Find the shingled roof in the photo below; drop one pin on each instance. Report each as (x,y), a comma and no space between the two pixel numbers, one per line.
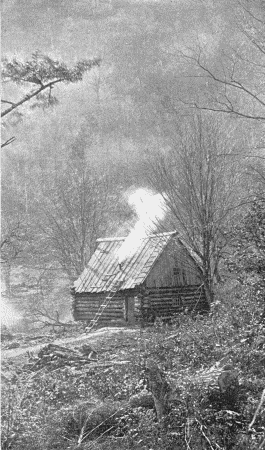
(103,272)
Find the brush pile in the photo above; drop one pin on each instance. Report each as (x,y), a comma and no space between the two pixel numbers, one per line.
(54,356)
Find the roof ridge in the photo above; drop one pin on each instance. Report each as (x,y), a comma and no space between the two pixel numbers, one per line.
(113,239)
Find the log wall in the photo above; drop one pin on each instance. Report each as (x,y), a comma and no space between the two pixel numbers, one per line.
(167,301)
(85,307)
(152,303)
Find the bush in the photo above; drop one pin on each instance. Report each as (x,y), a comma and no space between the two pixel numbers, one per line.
(92,409)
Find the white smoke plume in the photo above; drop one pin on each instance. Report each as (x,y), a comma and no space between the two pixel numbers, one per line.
(150,208)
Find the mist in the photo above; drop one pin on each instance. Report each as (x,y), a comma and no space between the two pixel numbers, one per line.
(103,127)
(9,316)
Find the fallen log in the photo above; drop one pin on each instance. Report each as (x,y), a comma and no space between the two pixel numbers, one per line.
(56,348)
(55,356)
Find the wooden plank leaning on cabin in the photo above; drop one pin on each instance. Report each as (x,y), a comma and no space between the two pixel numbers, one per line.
(86,306)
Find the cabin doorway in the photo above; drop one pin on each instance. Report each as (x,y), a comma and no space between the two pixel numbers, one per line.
(129,310)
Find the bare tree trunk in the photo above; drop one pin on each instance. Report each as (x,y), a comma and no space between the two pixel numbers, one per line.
(200,179)
(208,291)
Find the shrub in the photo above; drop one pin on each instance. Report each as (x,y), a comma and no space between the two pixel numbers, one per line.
(91,409)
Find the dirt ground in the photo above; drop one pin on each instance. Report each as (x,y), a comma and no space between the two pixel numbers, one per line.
(91,338)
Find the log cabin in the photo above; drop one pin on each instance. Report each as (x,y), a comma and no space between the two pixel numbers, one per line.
(159,279)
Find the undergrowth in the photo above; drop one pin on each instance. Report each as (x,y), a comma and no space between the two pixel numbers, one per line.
(91,409)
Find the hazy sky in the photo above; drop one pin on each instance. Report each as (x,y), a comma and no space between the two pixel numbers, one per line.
(76,29)
(137,41)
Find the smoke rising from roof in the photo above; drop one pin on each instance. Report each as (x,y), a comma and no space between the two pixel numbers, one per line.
(150,209)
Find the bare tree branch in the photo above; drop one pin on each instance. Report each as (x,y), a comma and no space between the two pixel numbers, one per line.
(30,96)
(199,187)
(8,141)
(238,77)
(6,101)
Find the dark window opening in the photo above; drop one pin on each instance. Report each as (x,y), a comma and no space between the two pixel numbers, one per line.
(176,271)
(177,301)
